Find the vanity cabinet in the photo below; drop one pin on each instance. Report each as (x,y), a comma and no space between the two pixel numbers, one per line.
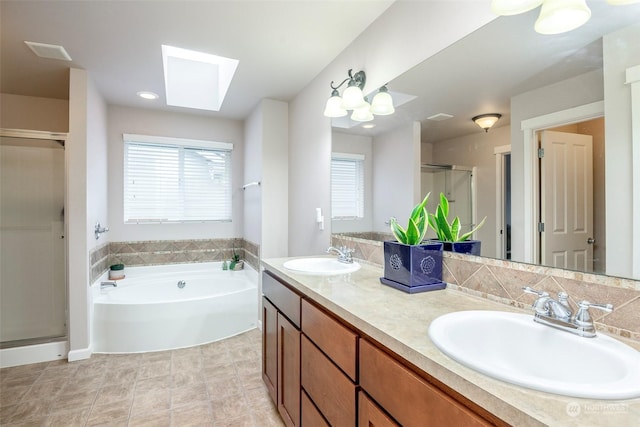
(328,373)
(281,351)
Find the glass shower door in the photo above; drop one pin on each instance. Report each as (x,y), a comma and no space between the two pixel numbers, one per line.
(32,248)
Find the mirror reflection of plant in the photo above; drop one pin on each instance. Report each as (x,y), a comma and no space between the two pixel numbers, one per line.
(449,232)
(417,226)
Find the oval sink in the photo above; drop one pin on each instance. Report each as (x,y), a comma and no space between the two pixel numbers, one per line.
(511,347)
(320,266)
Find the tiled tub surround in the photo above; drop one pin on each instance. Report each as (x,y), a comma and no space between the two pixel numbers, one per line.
(157,252)
(502,281)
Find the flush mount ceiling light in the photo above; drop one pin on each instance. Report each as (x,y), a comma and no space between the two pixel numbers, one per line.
(196,79)
(147,95)
(556,16)
(49,51)
(486,121)
(353,99)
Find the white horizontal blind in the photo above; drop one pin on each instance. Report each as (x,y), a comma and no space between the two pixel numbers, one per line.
(347,186)
(166,182)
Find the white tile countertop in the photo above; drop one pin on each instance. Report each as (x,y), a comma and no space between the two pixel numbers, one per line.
(400,321)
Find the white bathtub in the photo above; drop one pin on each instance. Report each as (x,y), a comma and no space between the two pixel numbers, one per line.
(147,311)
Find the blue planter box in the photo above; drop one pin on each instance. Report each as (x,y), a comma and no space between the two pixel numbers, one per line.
(413,268)
(470,247)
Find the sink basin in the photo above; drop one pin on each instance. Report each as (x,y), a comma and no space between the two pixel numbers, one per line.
(511,347)
(320,266)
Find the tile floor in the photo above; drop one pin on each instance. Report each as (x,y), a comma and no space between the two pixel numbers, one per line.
(217,384)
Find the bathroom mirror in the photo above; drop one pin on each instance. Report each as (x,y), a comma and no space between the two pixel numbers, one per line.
(481,74)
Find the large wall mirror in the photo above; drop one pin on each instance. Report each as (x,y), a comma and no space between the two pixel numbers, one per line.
(431,143)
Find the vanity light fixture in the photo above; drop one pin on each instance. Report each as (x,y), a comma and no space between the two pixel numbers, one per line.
(354,99)
(556,16)
(486,121)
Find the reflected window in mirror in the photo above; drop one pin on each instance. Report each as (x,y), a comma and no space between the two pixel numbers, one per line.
(347,186)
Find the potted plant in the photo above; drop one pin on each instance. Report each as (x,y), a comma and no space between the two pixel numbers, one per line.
(236,263)
(410,264)
(449,232)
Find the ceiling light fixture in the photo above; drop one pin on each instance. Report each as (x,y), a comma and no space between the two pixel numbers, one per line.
(486,121)
(556,16)
(354,99)
(147,95)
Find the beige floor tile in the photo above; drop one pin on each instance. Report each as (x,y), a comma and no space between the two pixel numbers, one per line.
(158,419)
(153,383)
(121,376)
(244,421)
(156,355)
(111,413)
(77,417)
(46,390)
(156,368)
(186,395)
(187,378)
(72,400)
(86,383)
(229,408)
(151,402)
(12,395)
(196,414)
(114,393)
(24,411)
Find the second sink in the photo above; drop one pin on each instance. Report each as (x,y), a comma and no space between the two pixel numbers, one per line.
(511,347)
(320,266)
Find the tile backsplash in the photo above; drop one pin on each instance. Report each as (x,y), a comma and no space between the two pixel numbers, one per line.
(502,281)
(158,252)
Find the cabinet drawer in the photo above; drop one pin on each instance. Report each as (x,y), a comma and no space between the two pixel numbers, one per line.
(407,397)
(333,392)
(285,300)
(334,339)
(370,414)
(310,414)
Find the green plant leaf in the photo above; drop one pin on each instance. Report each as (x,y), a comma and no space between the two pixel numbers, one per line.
(444,204)
(443,226)
(465,236)
(413,233)
(455,229)
(418,210)
(397,230)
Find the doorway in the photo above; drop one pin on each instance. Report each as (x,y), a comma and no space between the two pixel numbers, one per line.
(571,227)
(33,284)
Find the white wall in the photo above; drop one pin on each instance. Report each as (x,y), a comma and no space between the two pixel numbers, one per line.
(621,51)
(396,183)
(157,123)
(275,179)
(477,150)
(356,144)
(34,113)
(580,90)
(266,160)
(405,35)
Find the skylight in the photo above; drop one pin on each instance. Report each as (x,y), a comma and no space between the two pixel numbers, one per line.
(195,79)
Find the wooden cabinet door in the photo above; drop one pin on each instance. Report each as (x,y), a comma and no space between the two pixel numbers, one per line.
(370,414)
(270,348)
(288,372)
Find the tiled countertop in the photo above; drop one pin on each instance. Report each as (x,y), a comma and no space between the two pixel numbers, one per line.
(400,321)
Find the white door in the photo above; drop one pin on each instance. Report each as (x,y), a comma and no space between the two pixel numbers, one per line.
(566,200)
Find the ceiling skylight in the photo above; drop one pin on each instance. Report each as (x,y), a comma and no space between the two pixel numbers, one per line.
(195,79)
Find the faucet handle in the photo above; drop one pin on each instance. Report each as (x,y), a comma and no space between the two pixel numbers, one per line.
(583,318)
(530,290)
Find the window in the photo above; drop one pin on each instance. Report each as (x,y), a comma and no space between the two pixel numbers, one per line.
(347,186)
(176,180)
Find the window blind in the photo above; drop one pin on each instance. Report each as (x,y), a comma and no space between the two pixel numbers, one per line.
(174,181)
(347,186)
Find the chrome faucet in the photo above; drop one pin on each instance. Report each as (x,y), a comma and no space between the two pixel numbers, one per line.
(343,252)
(107,284)
(558,313)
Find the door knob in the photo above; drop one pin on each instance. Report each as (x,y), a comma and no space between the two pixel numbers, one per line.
(591,240)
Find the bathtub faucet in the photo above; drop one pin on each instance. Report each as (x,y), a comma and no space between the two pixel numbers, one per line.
(107,284)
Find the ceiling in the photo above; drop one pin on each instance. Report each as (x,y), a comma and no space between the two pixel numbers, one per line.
(481,72)
(281,45)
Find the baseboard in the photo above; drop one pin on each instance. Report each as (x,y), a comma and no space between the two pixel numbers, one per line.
(81,354)
(33,354)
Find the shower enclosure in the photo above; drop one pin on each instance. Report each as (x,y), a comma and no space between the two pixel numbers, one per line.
(33,291)
(456,182)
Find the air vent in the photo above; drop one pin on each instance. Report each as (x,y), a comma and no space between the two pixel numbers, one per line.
(50,51)
(440,117)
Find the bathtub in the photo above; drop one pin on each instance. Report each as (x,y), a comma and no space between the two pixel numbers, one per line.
(147,311)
